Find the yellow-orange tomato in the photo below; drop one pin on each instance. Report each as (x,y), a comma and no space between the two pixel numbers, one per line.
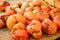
(34,28)
(49,26)
(13,19)
(57,21)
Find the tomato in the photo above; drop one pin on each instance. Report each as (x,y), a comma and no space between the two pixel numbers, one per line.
(57,21)
(29,9)
(19,26)
(37,8)
(19,4)
(2,23)
(34,28)
(43,15)
(19,11)
(36,11)
(9,10)
(14,19)
(46,7)
(3,5)
(49,26)
(24,5)
(31,16)
(31,4)
(20,35)
(37,2)
(54,12)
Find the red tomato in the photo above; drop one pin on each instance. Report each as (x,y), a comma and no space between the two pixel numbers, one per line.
(57,21)
(20,35)
(49,26)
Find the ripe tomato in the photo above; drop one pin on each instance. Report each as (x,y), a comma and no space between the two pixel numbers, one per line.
(2,23)
(9,10)
(37,2)
(57,21)
(43,15)
(19,26)
(34,28)
(24,5)
(49,26)
(54,12)
(20,35)
(31,16)
(3,5)
(29,9)
(19,11)
(13,19)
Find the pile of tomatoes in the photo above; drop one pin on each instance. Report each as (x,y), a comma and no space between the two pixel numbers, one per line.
(29,18)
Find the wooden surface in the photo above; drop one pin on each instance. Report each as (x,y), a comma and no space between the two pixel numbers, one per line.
(5,33)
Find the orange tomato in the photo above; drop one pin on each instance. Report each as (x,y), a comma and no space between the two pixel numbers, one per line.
(13,19)
(34,28)
(19,26)
(49,26)
(43,15)
(3,5)
(29,9)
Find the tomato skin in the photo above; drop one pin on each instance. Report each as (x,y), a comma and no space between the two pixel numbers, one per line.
(24,5)
(19,11)
(36,2)
(4,5)
(42,15)
(29,9)
(2,23)
(14,19)
(20,34)
(57,21)
(49,26)
(54,12)
(19,26)
(34,28)
(31,16)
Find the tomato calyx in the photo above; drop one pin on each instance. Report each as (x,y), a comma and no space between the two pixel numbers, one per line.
(5,2)
(3,18)
(36,32)
(46,27)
